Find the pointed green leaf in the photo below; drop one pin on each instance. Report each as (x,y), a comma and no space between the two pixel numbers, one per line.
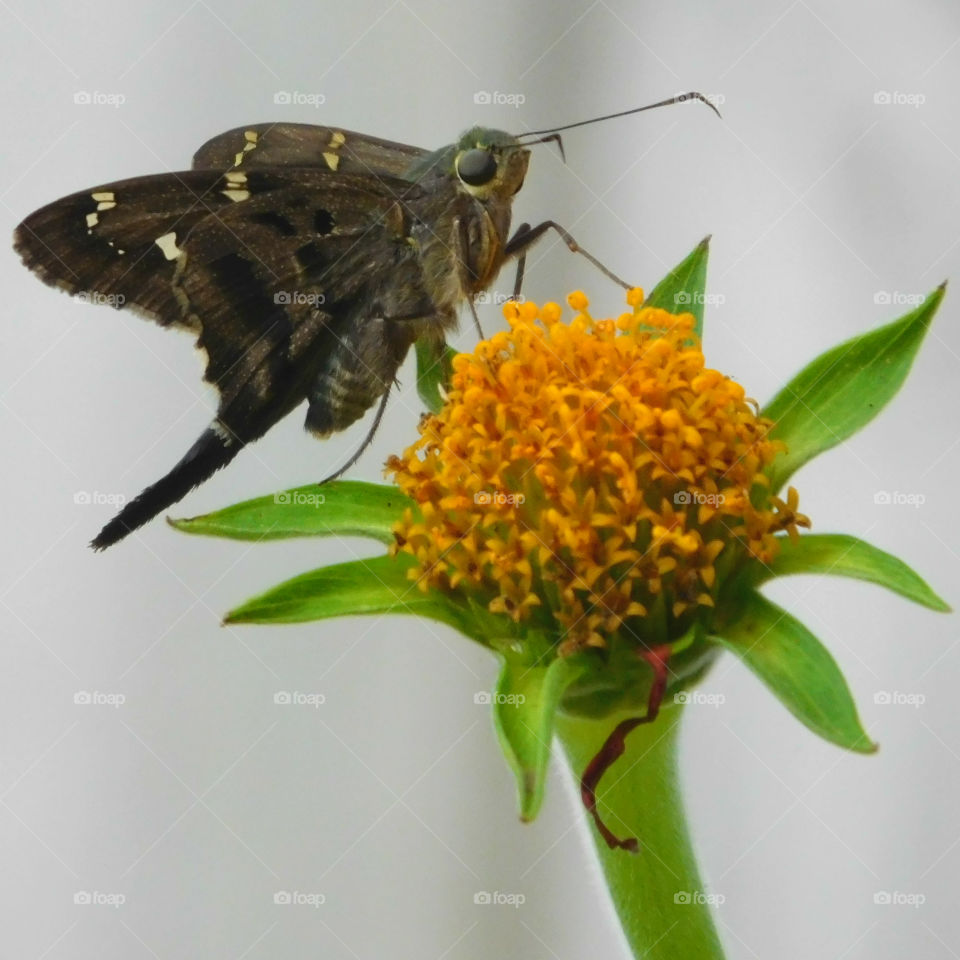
(798,669)
(524,708)
(375,586)
(682,289)
(844,389)
(845,556)
(344,507)
(434,366)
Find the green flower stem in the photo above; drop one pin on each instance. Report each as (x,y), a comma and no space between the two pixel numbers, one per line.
(639,796)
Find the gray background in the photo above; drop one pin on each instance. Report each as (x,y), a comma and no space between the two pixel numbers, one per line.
(199,798)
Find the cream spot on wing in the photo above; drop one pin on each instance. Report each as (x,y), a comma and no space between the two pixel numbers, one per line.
(233,177)
(333,161)
(251,137)
(105,195)
(236,195)
(168,244)
(106,204)
(337,140)
(92,219)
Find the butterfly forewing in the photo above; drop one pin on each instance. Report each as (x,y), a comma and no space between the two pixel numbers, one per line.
(305,145)
(117,241)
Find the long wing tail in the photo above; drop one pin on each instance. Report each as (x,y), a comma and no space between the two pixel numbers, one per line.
(214,449)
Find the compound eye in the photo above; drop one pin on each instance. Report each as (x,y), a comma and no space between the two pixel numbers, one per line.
(476,167)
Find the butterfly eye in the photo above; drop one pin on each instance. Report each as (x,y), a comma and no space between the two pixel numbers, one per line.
(476,167)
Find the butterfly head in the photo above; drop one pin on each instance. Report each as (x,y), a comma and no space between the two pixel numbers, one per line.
(487,164)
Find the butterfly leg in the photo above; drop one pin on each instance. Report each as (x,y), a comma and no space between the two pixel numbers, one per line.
(522,230)
(522,239)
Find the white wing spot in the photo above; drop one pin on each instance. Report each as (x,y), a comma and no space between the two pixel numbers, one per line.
(236,195)
(92,219)
(168,244)
(234,177)
(337,140)
(106,204)
(333,161)
(103,195)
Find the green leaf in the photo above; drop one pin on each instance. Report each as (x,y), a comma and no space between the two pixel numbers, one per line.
(844,389)
(434,366)
(345,507)
(798,669)
(375,586)
(682,289)
(524,708)
(845,556)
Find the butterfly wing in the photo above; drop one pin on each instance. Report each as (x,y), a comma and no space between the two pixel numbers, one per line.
(274,269)
(305,145)
(112,243)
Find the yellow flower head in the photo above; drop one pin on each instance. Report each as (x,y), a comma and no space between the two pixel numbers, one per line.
(594,476)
